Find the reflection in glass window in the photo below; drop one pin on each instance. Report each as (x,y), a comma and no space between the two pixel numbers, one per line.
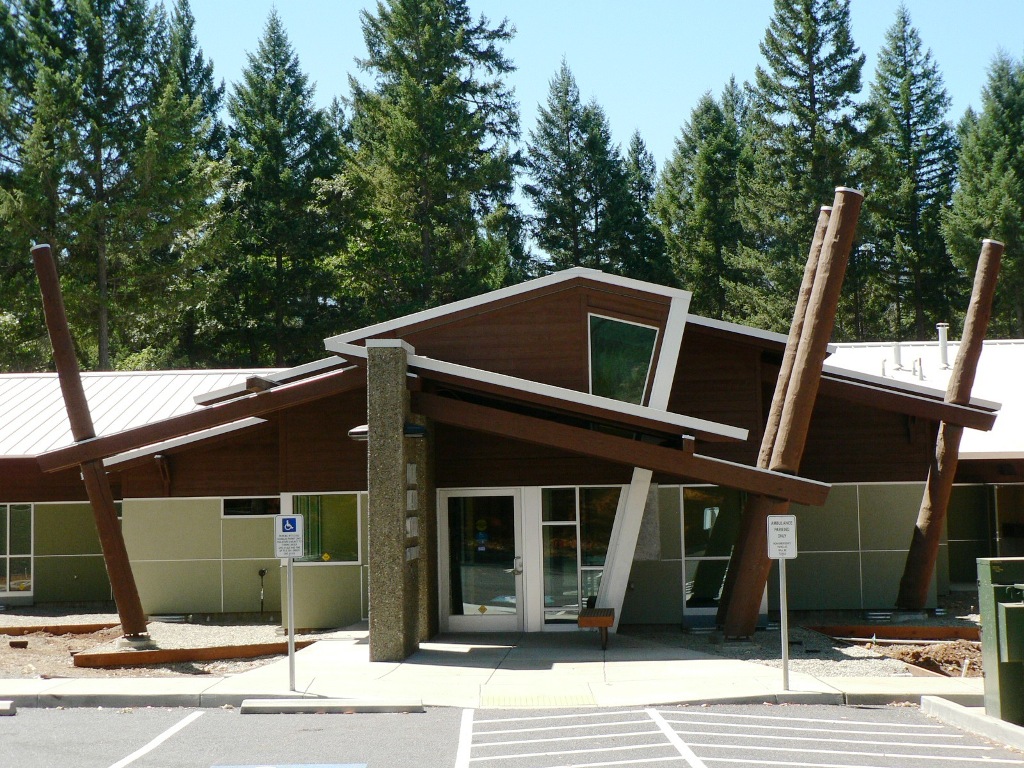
(15,548)
(257,506)
(620,358)
(331,527)
(597,516)
(558,505)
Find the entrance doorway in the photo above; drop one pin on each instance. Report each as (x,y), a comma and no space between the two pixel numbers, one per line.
(481,546)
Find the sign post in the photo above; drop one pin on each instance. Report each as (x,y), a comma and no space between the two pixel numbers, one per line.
(288,544)
(782,547)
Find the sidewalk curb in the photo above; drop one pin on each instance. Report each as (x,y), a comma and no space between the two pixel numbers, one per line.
(973,720)
(7,708)
(313,706)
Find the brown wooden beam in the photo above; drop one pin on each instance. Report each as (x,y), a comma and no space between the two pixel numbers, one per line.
(924,544)
(908,403)
(634,453)
(750,563)
(279,398)
(97,486)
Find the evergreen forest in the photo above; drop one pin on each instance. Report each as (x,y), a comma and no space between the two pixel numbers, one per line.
(198,225)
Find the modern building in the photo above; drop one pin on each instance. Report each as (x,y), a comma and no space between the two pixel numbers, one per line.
(491,464)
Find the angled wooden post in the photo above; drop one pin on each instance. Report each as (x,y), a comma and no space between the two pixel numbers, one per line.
(781,385)
(924,544)
(97,486)
(751,563)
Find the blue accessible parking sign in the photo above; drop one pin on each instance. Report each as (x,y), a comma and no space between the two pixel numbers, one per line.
(288,536)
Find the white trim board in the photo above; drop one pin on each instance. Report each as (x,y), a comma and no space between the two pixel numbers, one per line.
(177,442)
(569,396)
(503,293)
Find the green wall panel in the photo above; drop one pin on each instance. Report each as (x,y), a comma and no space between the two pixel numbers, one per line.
(248,537)
(655,593)
(818,580)
(669,523)
(172,529)
(888,514)
(184,586)
(242,586)
(65,529)
(832,527)
(882,573)
(326,596)
(81,578)
(968,516)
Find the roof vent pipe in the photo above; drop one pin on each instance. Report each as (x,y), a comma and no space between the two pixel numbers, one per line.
(943,329)
(897,356)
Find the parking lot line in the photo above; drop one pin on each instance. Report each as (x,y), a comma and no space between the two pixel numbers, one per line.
(673,737)
(157,741)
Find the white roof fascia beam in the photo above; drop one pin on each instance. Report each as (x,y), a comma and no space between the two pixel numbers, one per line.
(281,377)
(177,442)
(503,293)
(685,423)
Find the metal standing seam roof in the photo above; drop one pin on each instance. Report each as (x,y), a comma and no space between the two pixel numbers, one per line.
(999,380)
(33,418)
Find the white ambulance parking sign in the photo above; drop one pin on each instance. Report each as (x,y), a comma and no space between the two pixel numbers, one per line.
(781,537)
(288,536)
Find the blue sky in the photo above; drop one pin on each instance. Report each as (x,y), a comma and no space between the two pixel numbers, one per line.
(645,61)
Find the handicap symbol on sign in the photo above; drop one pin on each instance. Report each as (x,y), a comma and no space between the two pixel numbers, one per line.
(288,524)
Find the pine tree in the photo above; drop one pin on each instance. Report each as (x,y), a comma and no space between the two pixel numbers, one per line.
(578,186)
(194,74)
(803,129)
(989,200)
(278,291)
(434,158)
(644,256)
(911,161)
(697,204)
(107,168)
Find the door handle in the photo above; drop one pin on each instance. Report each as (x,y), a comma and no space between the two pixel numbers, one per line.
(517,565)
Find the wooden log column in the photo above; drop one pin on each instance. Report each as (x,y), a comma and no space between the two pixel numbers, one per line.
(771,429)
(97,486)
(751,562)
(394,550)
(924,544)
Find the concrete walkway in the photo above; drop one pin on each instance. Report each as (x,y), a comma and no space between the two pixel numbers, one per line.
(497,671)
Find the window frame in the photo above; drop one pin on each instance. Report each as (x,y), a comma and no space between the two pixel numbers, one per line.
(6,556)
(287,503)
(590,351)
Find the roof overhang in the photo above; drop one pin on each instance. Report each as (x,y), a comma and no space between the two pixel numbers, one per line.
(252,405)
(604,409)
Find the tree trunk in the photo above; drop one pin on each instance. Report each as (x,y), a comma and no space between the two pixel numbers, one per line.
(924,545)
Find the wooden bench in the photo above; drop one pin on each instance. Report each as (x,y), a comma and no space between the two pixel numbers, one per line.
(602,618)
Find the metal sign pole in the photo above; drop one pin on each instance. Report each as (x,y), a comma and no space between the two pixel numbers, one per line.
(784,606)
(291,624)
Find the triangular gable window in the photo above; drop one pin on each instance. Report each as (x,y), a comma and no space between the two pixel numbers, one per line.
(621,354)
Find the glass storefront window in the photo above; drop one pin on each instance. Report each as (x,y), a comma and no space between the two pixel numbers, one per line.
(331,527)
(482,552)
(597,516)
(15,548)
(558,505)
(561,575)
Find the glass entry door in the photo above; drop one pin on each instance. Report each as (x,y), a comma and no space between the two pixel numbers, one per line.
(481,581)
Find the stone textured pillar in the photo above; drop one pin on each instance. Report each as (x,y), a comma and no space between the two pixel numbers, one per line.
(393,556)
(421,452)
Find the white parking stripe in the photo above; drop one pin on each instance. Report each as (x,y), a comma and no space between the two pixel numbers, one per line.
(520,755)
(673,737)
(813,730)
(560,727)
(790,764)
(831,740)
(157,741)
(481,744)
(575,716)
(855,753)
(465,739)
(644,761)
(698,713)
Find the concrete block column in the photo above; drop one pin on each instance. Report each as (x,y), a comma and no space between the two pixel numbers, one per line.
(394,554)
